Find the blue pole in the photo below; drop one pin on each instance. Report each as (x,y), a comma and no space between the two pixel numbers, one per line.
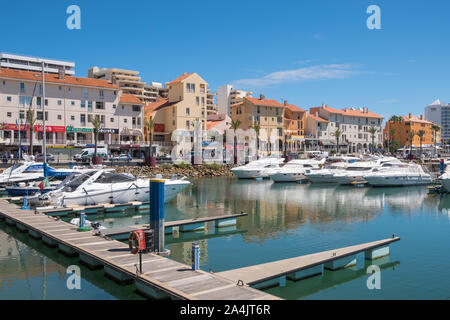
(25,204)
(157,213)
(82,219)
(195,256)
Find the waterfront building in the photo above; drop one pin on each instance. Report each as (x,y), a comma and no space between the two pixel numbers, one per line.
(227,97)
(439,113)
(69,104)
(211,108)
(185,104)
(415,124)
(353,123)
(294,126)
(26,63)
(267,113)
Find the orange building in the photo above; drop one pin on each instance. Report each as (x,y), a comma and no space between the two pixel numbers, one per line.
(410,123)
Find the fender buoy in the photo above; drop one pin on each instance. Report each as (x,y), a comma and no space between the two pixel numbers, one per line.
(136,241)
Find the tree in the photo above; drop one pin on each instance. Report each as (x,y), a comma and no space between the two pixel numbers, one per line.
(257,128)
(235,124)
(31,119)
(337,133)
(150,126)
(373,131)
(420,134)
(96,122)
(394,119)
(435,129)
(411,135)
(391,137)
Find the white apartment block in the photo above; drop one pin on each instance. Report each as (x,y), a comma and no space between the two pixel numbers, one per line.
(439,113)
(354,123)
(18,62)
(70,103)
(227,97)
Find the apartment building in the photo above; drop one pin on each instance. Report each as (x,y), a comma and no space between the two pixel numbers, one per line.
(268,113)
(415,124)
(354,124)
(154,90)
(185,104)
(70,105)
(227,96)
(294,125)
(439,113)
(34,64)
(211,108)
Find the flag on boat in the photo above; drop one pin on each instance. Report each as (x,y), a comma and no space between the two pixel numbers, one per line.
(44,184)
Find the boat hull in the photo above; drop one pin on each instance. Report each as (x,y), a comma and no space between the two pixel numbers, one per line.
(398,181)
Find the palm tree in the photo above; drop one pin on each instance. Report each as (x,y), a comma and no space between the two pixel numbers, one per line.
(394,119)
(96,122)
(235,124)
(150,126)
(420,134)
(373,131)
(337,134)
(435,129)
(31,119)
(391,137)
(257,128)
(411,135)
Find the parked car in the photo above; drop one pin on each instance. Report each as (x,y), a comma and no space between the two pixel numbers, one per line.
(40,157)
(122,157)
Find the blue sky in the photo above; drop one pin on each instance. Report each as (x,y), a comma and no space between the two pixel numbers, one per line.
(306,52)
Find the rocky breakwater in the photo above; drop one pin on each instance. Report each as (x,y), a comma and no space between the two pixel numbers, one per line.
(182,170)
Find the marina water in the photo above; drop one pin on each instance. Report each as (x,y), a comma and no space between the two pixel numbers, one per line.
(284,221)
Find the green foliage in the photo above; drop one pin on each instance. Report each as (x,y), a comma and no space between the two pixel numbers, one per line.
(182,165)
(213,166)
(165,166)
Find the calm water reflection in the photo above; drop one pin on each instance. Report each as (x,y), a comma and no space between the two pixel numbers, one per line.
(288,220)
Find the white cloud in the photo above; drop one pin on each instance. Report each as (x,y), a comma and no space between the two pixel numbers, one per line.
(319,72)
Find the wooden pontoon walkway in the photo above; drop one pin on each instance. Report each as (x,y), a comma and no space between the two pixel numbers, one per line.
(161,277)
(265,272)
(169,224)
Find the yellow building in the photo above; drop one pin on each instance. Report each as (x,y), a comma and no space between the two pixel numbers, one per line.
(186,103)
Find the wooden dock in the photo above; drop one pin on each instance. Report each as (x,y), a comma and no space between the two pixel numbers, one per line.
(187,225)
(272,273)
(161,277)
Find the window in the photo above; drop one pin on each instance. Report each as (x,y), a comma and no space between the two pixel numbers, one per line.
(9,114)
(203,101)
(59,102)
(72,118)
(24,101)
(139,121)
(137,108)
(22,87)
(192,87)
(83,103)
(46,102)
(38,101)
(4,82)
(90,105)
(114,106)
(9,99)
(112,120)
(59,88)
(101,93)
(72,103)
(188,112)
(59,117)
(100,105)
(83,119)
(133,121)
(187,124)
(22,115)
(102,119)
(197,100)
(125,120)
(89,118)
(86,93)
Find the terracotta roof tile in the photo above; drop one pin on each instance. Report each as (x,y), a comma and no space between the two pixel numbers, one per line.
(294,108)
(320,119)
(264,102)
(354,113)
(54,78)
(180,78)
(129,99)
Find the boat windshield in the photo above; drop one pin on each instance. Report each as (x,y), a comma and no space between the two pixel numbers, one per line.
(75,181)
(110,177)
(358,168)
(11,169)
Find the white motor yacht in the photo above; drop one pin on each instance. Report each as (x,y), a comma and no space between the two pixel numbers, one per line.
(398,174)
(295,170)
(261,168)
(105,186)
(356,172)
(326,174)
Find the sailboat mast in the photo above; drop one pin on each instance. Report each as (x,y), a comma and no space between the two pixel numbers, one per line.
(44,147)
